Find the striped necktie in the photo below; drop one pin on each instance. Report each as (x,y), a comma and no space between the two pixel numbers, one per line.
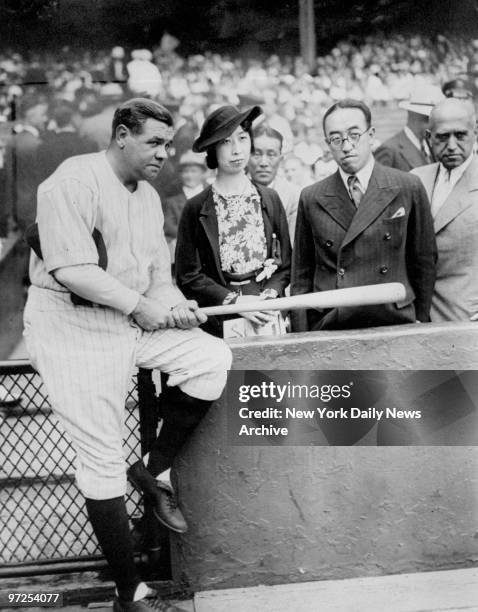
(354,190)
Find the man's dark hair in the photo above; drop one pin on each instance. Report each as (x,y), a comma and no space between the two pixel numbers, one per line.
(266,130)
(211,157)
(349,103)
(134,113)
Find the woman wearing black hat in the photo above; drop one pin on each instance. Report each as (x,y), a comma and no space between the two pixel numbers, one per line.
(233,241)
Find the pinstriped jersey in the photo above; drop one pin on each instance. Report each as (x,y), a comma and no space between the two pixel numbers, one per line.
(85,193)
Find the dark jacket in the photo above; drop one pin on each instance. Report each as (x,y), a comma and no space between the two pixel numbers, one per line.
(400,153)
(390,238)
(198,266)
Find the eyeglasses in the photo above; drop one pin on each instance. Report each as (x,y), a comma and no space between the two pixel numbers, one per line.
(336,142)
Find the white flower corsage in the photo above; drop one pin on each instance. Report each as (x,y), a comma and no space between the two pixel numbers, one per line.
(268,270)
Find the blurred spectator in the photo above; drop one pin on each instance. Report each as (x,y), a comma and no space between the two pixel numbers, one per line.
(63,140)
(276,120)
(264,163)
(307,148)
(296,172)
(192,172)
(22,174)
(325,166)
(144,76)
(409,148)
(98,126)
(459,88)
(116,70)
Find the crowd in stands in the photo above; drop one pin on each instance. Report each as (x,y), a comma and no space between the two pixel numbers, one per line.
(82,88)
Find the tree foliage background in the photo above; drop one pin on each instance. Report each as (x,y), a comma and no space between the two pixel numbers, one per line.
(220,25)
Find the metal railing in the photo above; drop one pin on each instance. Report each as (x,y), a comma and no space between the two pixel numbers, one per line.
(43,521)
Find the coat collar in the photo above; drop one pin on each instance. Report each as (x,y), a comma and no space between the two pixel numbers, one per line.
(337,201)
(409,151)
(208,219)
(382,189)
(459,199)
(380,192)
(428,175)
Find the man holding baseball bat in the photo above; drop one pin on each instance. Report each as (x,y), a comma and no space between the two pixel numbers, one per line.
(102,302)
(364,225)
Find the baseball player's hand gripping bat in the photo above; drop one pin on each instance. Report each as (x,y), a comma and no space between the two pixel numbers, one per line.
(366,295)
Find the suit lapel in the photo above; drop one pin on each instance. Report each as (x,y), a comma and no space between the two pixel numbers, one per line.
(410,153)
(378,196)
(266,206)
(208,219)
(337,202)
(428,175)
(459,199)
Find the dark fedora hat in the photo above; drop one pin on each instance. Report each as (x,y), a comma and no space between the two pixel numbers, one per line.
(221,123)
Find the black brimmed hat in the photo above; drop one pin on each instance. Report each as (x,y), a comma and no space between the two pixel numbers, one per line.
(221,123)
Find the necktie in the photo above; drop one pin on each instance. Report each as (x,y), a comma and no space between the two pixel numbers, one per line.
(354,190)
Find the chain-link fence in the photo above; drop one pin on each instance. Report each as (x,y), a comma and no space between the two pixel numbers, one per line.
(42,513)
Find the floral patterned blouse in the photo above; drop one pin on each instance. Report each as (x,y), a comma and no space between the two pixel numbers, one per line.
(242,239)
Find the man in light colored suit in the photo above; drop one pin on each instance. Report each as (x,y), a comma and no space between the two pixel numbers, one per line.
(365,224)
(452,186)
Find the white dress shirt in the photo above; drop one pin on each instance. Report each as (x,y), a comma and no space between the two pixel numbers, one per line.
(445,182)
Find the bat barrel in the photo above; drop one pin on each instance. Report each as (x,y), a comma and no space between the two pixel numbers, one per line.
(366,295)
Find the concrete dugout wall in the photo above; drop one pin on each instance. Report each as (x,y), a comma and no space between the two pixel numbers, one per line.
(268,515)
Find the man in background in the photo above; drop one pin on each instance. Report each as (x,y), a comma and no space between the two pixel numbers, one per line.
(192,172)
(63,140)
(263,167)
(22,175)
(409,148)
(452,187)
(98,127)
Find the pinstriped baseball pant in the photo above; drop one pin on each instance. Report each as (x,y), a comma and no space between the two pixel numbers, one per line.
(86,358)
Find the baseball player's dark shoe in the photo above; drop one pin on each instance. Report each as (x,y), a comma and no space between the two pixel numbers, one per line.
(165,505)
(145,605)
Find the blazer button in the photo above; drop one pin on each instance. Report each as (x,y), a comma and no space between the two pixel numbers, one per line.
(387,236)
(329,243)
(341,271)
(383,270)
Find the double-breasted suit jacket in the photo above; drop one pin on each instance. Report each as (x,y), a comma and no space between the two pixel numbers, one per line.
(389,238)
(456,228)
(198,266)
(400,153)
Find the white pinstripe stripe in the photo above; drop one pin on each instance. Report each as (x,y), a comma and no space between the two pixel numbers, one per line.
(87,375)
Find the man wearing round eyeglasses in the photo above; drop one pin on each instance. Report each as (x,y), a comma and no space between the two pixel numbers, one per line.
(366,224)
(264,164)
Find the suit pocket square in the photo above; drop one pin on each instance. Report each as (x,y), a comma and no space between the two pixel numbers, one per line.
(399,213)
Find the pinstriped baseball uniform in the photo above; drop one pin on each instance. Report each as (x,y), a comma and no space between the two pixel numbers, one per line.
(85,355)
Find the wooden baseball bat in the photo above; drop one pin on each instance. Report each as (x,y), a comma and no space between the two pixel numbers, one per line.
(365,295)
